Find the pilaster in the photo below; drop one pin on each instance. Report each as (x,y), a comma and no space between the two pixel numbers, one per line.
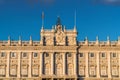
(41,64)
(109,69)
(98,65)
(8,64)
(29,70)
(18,69)
(119,64)
(64,64)
(86,55)
(75,64)
(52,63)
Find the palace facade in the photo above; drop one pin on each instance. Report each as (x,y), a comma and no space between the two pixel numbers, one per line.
(59,56)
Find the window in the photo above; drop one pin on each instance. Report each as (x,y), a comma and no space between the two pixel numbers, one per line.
(35,54)
(24,54)
(91,54)
(47,55)
(69,55)
(103,71)
(81,54)
(2,54)
(114,71)
(92,71)
(2,71)
(114,54)
(103,54)
(13,71)
(13,54)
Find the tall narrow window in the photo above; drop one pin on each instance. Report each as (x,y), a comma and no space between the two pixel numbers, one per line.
(91,54)
(103,54)
(69,54)
(114,54)
(81,54)
(47,55)
(3,54)
(24,54)
(35,54)
(13,54)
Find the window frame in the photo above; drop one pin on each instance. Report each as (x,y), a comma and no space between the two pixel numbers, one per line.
(81,55)
(2,55)
(34,54)
(24,55)
(13,53)
(103,55)
(92,54)
(114,55)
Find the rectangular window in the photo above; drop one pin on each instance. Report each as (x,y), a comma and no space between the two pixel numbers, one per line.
(81,54)
(13,71)
(114,54)
(24,71)
(47,55)
(35,71)
(2,71)
(69,55)
(24,54)
(103,54)
(35,54)
(91,54)
(3,54)
(13,54)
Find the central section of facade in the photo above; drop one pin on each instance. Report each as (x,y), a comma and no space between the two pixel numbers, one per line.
(53,57)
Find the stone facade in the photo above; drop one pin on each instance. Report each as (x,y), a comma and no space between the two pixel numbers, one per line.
(58,55)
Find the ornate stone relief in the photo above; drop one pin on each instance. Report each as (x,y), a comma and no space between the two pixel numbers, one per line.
(58,63)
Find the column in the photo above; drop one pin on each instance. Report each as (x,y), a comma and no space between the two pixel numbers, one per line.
(119,64)
(8,63)
(18,69)
(109,70)
(64,64)
(98,65)
(41,63)
(87,75)
(75,63)
(52,63)
(29,70)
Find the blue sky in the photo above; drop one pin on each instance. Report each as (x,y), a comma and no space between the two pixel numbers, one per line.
(94,17)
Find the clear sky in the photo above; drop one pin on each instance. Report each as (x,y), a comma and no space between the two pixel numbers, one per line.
(94,17)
